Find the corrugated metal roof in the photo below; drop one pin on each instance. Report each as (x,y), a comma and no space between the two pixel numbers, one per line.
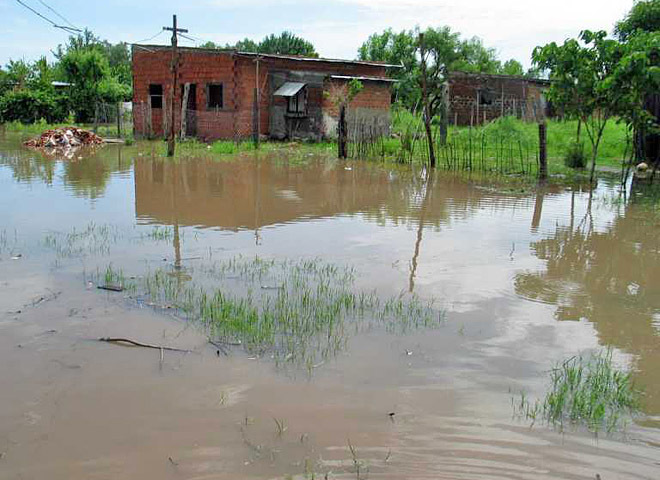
(289,89)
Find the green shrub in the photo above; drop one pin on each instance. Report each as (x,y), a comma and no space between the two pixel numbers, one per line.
(575,156)
(29,106)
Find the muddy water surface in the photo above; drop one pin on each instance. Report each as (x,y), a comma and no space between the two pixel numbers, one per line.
(519,282)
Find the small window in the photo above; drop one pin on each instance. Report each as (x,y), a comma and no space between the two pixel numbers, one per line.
(156,95)
(486,97)
(214,95)
(298,102)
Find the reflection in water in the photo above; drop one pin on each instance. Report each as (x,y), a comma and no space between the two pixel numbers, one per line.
(447,385)
(87,174)
(428,192)
(610,278)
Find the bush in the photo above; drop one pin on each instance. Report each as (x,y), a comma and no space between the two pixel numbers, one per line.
(575,156)
(29,106)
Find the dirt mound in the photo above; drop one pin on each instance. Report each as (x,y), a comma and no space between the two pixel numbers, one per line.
(65,137)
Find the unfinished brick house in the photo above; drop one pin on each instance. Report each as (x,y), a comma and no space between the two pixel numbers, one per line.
(476,98)
(219,88)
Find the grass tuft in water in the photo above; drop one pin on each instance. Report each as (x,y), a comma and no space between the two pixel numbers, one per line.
(590,392)
(93,239)
(298,312)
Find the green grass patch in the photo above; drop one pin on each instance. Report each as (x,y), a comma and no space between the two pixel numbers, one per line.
(299,312)
(589,392)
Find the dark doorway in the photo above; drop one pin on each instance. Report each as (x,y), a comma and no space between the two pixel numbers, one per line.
(191,109)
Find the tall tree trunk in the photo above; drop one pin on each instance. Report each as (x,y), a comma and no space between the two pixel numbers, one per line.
(425,99)
(342,131)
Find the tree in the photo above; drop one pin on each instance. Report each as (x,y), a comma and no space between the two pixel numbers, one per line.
(396,49)
(582,81)
(247,45)
(474,57)
(85,70)
(287,43)
(513,67)
(445,46)
(643,16)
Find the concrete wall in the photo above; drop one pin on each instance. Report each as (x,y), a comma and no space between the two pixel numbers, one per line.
(368,112)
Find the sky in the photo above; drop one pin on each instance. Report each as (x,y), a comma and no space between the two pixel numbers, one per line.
(336,27)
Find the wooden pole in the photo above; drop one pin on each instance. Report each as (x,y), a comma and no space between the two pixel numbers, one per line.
(184,110)
(257,110)
(342,131)
(543,153)
(425,98)
(175,76)
(118,119)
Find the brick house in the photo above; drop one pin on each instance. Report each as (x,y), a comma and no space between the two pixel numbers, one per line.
(219,87)
(476,98)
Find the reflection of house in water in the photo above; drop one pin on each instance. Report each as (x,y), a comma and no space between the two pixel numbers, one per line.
(250,194)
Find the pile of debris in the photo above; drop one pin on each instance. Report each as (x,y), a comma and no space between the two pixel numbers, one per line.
(65,137)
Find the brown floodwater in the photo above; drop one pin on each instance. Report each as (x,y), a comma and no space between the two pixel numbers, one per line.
(520,282)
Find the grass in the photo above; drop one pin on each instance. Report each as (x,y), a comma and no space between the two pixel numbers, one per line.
(299,312)
(589,392)
(505,146)
(93,239)
(561,134)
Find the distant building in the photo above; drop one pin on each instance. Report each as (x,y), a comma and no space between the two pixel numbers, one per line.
(476,98)
(295,93)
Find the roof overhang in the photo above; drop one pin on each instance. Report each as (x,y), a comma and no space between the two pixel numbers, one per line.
(289,89)
(364,79)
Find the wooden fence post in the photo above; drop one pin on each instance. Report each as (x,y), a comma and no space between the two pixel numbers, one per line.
(543,152)
(118,119)
(342,131)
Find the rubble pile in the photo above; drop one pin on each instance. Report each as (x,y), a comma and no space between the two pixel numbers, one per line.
(65,137)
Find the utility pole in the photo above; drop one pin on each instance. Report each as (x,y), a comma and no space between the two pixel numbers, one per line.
(175,77)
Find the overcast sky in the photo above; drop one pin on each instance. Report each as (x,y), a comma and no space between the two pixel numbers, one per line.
(336,27)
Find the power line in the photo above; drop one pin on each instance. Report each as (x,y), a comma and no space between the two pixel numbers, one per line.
(56,13)
(68,29)
(160,32)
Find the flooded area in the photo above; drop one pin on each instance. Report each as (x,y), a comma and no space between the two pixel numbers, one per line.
(371,323)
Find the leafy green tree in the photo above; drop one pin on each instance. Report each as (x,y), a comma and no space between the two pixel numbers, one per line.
(396,49)
(582,81)
(19,74)
(28,106)
(512,67)
(85,70)
(447,52)
(474,57)
(247,45)
(287,43)
(5,82)
(643,16)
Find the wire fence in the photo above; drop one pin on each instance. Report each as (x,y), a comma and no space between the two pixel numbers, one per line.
(150,122)
(113,119)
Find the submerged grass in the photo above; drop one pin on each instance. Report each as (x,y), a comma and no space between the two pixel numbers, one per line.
(93,239)
(299,312)
(589,392)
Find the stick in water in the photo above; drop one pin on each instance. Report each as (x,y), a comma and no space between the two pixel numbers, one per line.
(143,345)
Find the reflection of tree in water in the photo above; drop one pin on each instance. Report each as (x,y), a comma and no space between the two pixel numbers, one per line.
(610,278)
(87,177)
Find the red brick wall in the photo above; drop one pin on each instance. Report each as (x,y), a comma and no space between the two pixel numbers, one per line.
(151,65)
